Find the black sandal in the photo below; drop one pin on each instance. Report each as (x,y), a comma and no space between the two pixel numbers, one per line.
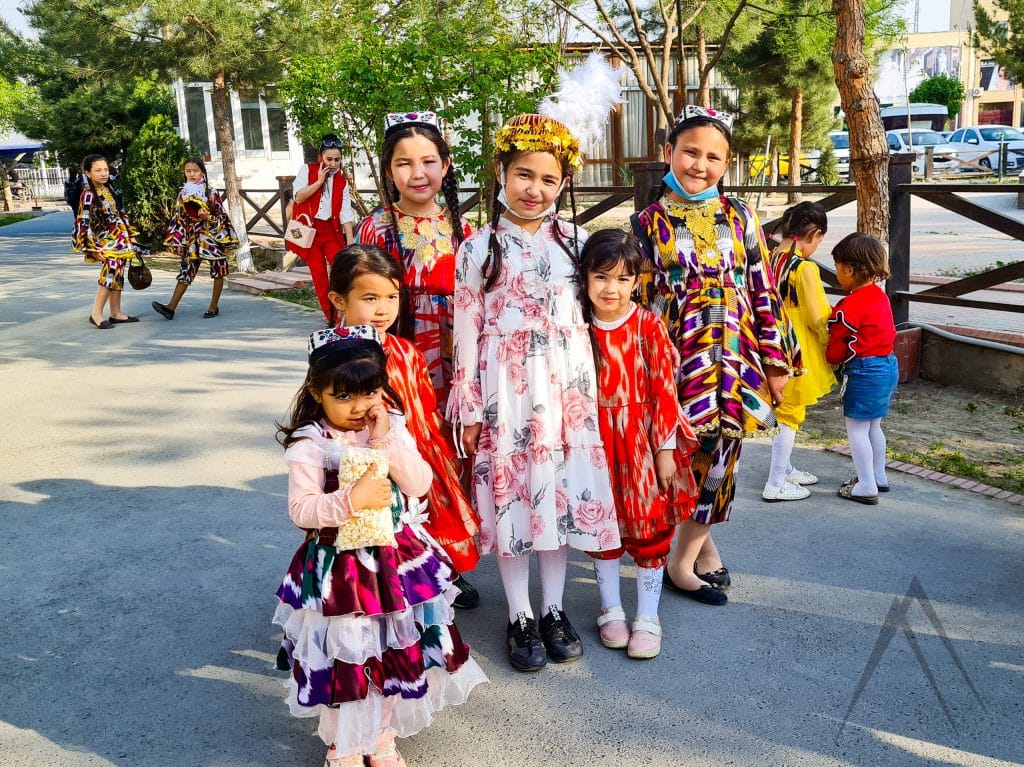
(164,311)
(210,315)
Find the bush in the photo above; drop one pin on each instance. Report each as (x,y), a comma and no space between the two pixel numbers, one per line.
(828,167)
(151,178)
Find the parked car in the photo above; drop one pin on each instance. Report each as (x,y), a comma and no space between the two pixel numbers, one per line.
(980,144)
(808,165)
(841,151)
(916,140)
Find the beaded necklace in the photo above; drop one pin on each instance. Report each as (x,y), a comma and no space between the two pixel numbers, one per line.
(699,219)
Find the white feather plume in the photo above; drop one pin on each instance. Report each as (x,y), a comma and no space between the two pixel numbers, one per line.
(584,99)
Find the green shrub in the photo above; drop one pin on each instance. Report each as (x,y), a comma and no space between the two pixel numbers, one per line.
(151,178)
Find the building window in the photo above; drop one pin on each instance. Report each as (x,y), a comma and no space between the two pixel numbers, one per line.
(277,124)
(195,115)
(252,123)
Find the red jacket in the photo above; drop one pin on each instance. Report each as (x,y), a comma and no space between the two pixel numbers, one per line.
(861,325)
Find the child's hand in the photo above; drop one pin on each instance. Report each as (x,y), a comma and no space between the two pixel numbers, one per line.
(776,379)
(204,214)
(665,469)
(377,422)
(370,493)
(470,436)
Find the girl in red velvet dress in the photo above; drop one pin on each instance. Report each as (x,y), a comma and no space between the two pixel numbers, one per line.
(646,437)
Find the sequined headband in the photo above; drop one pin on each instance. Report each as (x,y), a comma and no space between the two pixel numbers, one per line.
(539,133)
(725,119)
(323,342)
(398,120)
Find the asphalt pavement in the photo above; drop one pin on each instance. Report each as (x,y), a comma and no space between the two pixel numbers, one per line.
(143,508)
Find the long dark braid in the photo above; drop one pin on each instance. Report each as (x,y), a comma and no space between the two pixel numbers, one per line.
(450,188)
(492,265)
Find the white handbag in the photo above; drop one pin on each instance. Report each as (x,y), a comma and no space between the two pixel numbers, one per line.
(299,234)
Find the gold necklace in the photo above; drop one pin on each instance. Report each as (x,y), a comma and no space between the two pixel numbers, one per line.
(428,237)
(699,219)
(438,210)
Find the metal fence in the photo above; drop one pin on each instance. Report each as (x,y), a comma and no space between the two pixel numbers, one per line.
(43,183)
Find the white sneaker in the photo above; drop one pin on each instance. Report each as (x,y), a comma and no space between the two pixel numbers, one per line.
(798,477)
(788,492)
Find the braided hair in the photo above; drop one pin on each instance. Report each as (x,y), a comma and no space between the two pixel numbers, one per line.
(801,220)
(492,265)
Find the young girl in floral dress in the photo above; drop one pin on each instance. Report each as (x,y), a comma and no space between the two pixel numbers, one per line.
(421,234)
(707,278)
(524,389)
(646,437)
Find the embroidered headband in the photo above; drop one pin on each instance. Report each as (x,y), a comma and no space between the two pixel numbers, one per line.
(539,133)
(323,342)
(397,120)
(690,111)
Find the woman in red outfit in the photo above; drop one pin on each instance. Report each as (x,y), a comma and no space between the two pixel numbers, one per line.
(323,201)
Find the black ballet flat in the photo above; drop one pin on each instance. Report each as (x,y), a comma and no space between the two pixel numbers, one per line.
(211,315)
(706,595)
(101,325)
(719,578)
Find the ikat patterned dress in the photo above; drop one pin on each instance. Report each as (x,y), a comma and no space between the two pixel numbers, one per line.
(639,413)
(102,233)
(452,521)
(524,370)
(709,282)
(194,239)
(426,250)
(367,624)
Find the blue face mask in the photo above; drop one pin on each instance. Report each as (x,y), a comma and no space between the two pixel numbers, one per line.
(673,183)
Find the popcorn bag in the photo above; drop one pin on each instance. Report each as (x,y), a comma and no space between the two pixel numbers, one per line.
(374,526)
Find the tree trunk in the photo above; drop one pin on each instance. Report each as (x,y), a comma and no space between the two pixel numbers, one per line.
(796,127)
(869,152)
(222,127)
(704,87)
(8,197)
(773,167)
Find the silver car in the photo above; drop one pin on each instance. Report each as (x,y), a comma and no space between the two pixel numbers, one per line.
(980,145)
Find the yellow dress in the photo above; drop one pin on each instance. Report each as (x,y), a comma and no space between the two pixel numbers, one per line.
(799,283)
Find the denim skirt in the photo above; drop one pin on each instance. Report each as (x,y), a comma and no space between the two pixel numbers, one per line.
(869,386)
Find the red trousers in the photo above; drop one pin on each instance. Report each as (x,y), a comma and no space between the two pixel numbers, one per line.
(319,257)
(651,552)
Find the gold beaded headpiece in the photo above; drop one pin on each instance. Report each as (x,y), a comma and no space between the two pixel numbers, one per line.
(539,133)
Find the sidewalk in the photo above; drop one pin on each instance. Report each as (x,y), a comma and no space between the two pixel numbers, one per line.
(143,508)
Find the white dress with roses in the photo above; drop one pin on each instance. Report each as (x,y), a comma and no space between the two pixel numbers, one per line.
(523,368)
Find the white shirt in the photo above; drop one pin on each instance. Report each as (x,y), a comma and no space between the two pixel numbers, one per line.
(304,178)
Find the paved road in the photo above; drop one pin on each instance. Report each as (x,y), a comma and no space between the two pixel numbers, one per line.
(142,501)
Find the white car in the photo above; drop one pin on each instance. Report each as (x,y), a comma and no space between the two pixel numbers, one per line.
(915,140)
(841,151)
(980,145)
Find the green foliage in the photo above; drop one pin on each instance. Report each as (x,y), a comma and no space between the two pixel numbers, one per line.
(1000,33)
(940,89)
(152,177)
(446,61)
(828,168)
(13,218)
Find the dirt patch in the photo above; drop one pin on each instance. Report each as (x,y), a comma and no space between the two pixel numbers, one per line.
(946,428)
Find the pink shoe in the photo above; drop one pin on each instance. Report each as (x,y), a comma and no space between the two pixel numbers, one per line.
(333,760)
(611,624)
(645,641)
(386,754)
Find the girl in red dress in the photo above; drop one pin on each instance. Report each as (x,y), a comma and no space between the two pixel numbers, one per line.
(646,437)
(421,234)
(365,289)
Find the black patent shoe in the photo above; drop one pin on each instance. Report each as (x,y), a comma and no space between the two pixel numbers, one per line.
(707,595)
(468,597)
(719,578)
(560,638)
(525,648)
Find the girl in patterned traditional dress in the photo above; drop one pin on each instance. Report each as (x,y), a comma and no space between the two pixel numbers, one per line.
(524,390)
(421,234)
(799,281)
(364,290)
(707,278)
(102,232)
(376,651)
(647,439)
(199,230)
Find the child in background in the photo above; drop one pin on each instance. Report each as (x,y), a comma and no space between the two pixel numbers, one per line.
(524,389)
(799,282)
(861,333)
(421,234)
(199,230)
(707,278)
(322,200)
(647,439)
(364,290)
(376,652)
(102,233)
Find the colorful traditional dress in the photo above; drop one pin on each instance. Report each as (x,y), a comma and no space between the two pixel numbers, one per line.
(372,628)
(709,283)
(640,415)
(799,283)
(451,519)
(425,247)
(195,239)
(101,231)
(524,369)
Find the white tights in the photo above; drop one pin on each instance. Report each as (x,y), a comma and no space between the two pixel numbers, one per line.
(648,586)
(867,444)
(515,577)
(782,452)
